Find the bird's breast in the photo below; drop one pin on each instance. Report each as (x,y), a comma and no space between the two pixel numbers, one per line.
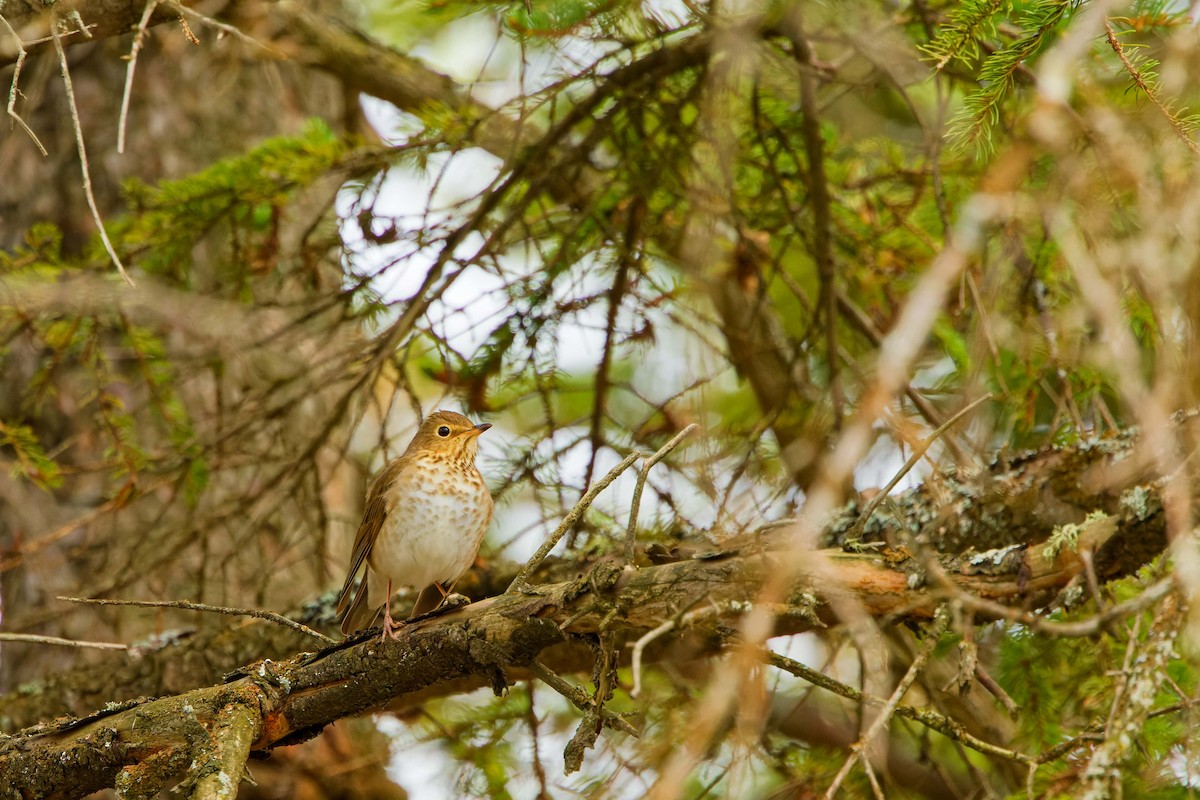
(436,517)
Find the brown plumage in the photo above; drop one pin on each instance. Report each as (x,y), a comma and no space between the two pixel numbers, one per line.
(425,517)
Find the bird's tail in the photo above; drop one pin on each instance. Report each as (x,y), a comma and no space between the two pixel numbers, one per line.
(358,615)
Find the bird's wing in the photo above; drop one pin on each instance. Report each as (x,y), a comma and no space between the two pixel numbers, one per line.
(368,532)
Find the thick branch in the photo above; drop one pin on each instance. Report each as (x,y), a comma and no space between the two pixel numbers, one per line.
(1018,504)
(297,697)
(103,18)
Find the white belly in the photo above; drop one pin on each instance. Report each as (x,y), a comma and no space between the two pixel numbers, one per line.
(433,540)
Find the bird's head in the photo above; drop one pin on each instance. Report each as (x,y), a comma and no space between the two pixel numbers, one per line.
(445,434)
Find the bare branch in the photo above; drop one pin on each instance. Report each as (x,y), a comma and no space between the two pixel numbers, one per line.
(521,582)
(858,751)
(190,606)
(83,161)
(14,91)
(133,59)
(55,640)
(631,531)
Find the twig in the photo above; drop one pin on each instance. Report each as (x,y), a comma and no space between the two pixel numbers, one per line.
(531,722)
(927,717)
(190,606)
(876,789)
(35,639)
(522,580)
(37,545)
(854,314)
(631,533)
(82,29)
(1072,630)
(133,59)
(997,691)
(638,648)
(83,162)
(919,451)
(1089,567)
(579,698)
(14,91)
(1139,80)
(183,11)
(859,749)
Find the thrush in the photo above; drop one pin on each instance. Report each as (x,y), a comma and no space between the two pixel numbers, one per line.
(426,514)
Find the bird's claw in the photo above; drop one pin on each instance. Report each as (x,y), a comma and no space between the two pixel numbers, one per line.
(391,628)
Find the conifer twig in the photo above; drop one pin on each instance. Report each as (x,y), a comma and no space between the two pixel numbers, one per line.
(1145,84)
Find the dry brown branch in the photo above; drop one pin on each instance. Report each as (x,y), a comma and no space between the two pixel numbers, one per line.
(83,162)
(270,616)
(14,90)
(60,642)
(858,751)
(134,49)
(521,582)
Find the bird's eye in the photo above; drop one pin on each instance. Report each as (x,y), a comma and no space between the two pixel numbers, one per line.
(443,431)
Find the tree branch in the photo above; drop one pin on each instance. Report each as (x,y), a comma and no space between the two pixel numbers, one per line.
(298,696)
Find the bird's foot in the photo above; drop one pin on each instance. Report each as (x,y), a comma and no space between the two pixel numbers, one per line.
(391,628)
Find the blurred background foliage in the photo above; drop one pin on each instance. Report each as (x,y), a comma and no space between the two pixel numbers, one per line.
(715,214)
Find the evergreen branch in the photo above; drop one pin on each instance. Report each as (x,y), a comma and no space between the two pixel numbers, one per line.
(1147,82)
(959,39)
(981,111)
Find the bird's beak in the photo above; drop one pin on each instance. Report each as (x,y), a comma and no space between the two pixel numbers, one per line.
(480,428)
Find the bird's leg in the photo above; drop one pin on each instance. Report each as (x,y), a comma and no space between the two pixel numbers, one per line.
(391,629)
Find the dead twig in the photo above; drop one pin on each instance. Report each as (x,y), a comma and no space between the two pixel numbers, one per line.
(631,532)
(55,640)
(1072,630)
(918,453)
(187,605)
(927,717)
(184,11)
(82,148)
(639,647)
(134,49)
(521,582)
(579,698)
(14,90)
(859,749)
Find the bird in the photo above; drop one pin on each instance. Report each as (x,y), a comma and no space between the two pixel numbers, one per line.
(426,514)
